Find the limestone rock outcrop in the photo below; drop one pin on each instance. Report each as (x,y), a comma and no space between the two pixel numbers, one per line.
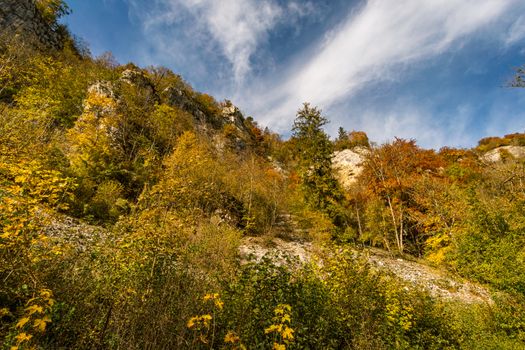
(232,115)
(348,164)
(178,97)
(137,78)
(497,154)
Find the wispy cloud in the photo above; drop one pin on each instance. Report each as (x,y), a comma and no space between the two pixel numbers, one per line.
(411,119)
(516,32)
(234,29)
(379,42)
(371,45)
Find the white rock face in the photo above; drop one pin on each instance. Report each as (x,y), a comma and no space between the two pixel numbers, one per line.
(254,249)
(348,164)
(439,283)
(229,111)
(102,88)
(495,154)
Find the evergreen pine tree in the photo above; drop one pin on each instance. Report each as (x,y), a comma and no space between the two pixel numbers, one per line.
(315,149)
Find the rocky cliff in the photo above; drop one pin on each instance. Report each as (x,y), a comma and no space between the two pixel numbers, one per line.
(23,17)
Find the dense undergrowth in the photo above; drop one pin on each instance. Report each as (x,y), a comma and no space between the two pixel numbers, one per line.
(177,178)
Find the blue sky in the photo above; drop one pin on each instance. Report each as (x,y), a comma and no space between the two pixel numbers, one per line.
(432,70)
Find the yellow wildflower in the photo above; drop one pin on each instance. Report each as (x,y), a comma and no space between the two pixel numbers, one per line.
(191,321)
(211,296)
(273,328)
(46,293)
(287,333)
(23,337)
(231,338)
(286,318)
(277,346)
(41,323)
(35,308)
(219,303)
(282,309)
(203,320)
(206,320)
(21,323)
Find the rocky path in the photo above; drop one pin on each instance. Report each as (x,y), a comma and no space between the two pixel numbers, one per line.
(439,283)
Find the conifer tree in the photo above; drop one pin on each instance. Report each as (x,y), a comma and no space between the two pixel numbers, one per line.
(342,141)
(315,149)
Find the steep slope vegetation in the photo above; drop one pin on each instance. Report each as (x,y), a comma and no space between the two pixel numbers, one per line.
(125,196)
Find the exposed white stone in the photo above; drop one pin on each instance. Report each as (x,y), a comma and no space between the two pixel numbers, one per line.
(102,88)
(348,164)
(229,110)
(495,155)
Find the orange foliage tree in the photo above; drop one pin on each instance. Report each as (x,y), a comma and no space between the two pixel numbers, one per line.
(390,173)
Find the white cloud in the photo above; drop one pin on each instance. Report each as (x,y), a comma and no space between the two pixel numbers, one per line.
(410,118)
(383,37)
(516,32)
(236,28)
(220,41)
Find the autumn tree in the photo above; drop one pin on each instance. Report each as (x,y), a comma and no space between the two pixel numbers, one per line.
(390,173)
(341,142)
(346,139)
(51,10)
(358,138)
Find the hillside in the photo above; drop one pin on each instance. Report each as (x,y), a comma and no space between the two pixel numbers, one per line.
(138,213)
